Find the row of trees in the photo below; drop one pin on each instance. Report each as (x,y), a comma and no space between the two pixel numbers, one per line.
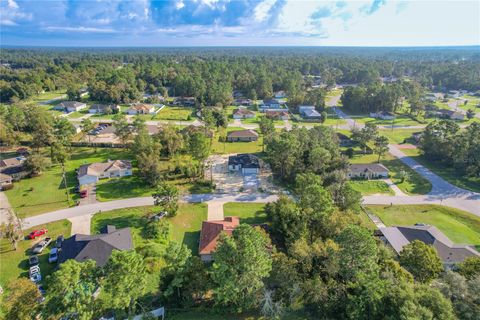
(444,142)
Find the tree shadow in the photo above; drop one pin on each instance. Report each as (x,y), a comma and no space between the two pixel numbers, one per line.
(191,239)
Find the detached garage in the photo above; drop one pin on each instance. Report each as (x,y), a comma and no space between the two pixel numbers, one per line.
(245,163)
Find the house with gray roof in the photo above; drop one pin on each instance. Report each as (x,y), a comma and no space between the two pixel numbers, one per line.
(367,171)
(242,136)
(98,247)
(70,106)
(309,112)
(450,253)
(91,173)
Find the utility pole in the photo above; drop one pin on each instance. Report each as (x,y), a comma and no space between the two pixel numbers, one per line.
(65,182)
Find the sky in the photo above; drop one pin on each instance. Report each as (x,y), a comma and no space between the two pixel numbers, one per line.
(153,23)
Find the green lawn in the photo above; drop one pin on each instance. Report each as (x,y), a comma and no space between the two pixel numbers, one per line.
(47,96)
(250,213)
(371,187)
(414,184)
(45,193)
(235,147)
(446,172)
(459,226)
(175,113)
(15,263)
(77,114)
(398,136)
(186,224)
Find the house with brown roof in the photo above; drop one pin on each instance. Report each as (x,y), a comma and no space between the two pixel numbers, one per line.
(367,171)
(450,253)
(242,136)
(277,114)
(141,109)
(243,113)
(210,233)
(5,181)
(91,173)
(14,167)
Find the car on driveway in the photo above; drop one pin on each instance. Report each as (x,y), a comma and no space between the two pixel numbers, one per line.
(34,274)
(37,233)
(33,260)
(39,247)
(59,241)
(53,256)
(83,193)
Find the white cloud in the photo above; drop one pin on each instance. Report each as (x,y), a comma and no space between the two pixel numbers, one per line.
(262,9)
(80,29)
(11,14)
(180,4)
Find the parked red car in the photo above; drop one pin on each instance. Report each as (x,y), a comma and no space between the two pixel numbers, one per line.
(37,233)
(83,193)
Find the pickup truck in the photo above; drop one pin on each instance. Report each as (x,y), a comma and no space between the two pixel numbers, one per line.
(40,246)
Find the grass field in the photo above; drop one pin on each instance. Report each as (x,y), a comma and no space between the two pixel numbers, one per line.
(47,96)
(371,187)
(251,213)
(175,113)
(31,196)
(459,226)
(186,224)
(14,264)
(446,172)
(398,136)
(414,184)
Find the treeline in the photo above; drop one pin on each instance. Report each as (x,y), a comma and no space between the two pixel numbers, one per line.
(444,142)
(122,76)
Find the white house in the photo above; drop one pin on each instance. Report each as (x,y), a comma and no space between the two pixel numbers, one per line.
(368,171)
(91,173)
(70,106)
(243,113)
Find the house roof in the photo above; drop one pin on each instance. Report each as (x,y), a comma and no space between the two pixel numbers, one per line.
(12,162)
(5,177)
(311,113)
(368,167)
(450,112)
(243,112)
(243,134)
(398,237)
(276,113)
(97,168)
(71,104)
(97,247)
(141,107)
(246,160)
(211,231)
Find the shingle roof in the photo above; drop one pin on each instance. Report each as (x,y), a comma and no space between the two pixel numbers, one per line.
(97,168)
(12,162)
(5,177)
(246,160)
(448,252)
(243,112)
(70,104)
(97,247)
(243,134)
(141,107)
(211,231)
(368,167)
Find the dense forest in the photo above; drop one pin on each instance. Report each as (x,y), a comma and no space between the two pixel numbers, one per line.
(210,74)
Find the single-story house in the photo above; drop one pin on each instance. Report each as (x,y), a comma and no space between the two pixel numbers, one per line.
(70,106)
(242,102)
(14,167)
(309,112)
(280,94)
(97,247)
(210,234)
(104,108)
(383,115)
(185,101)
(449,253)
(368,171)
(243,113)
(5,181)
(270,104)
(91,173)
(242,136)
(245,163)
(277,114)
(141,109)
(450,114)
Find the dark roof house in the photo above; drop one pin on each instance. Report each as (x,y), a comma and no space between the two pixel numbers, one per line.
(245,160)
(449,253)
(96,247)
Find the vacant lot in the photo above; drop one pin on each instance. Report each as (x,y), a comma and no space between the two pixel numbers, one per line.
(251,213)
(371,187)
(446,172)
(459,226)
(46,193)
(186,224)
(175,113)
(14,264)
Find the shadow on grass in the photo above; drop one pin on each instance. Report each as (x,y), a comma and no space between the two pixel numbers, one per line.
(191,240)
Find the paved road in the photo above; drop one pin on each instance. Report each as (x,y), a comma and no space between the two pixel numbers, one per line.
(4,208)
